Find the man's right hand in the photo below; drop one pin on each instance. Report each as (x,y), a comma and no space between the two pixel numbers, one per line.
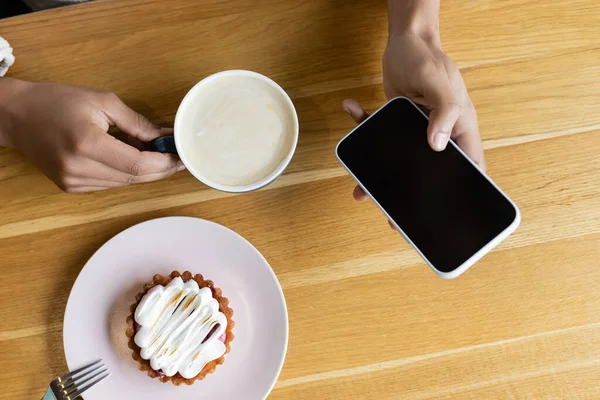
(64,131)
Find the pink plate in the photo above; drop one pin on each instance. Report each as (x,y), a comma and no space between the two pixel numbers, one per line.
(95,318)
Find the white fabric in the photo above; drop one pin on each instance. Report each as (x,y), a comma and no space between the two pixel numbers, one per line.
(6,57)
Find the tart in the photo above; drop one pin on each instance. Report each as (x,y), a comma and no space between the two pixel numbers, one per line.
(180,328)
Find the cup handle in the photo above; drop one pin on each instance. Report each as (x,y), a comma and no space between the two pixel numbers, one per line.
(163,144)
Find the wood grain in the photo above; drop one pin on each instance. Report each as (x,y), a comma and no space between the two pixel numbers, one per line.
(523,324)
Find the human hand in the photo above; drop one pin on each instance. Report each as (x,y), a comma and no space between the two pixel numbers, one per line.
(415,66)
(64,131)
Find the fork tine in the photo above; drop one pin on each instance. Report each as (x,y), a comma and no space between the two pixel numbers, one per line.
(78,370)
(73,387)
(73,383)
(79,392)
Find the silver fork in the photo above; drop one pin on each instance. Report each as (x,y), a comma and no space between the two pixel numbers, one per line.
(73,384)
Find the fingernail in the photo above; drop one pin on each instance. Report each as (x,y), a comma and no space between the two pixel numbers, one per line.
(440,141)
(181,167)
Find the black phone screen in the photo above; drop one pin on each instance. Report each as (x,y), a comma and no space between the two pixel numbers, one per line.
(442,202)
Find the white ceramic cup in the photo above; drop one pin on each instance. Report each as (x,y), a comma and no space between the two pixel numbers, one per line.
(173,144)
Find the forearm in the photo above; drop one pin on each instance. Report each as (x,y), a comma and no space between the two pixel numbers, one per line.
(420,17)
(4,129)
(9,90)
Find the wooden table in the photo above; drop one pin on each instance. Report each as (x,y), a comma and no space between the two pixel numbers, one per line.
(368,320)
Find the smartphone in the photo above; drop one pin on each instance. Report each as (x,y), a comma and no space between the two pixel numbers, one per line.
(447,208)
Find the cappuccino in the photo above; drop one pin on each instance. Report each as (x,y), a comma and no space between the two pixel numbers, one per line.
(236,129)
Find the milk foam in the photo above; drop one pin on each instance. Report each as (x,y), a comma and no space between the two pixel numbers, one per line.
(237,130)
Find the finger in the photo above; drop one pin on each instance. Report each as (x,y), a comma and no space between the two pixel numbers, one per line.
(466,134)
(104,176)
(137,143)
(359,194)
(93,173)
(152,177)
(84,181)
(472,146)
(355,110)
(86,189)
(113,177)
(129,121)
(80,177)
(392,225)
(122,157)
(444,109)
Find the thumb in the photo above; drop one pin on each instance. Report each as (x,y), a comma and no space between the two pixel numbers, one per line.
(444,111)
(130,122)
